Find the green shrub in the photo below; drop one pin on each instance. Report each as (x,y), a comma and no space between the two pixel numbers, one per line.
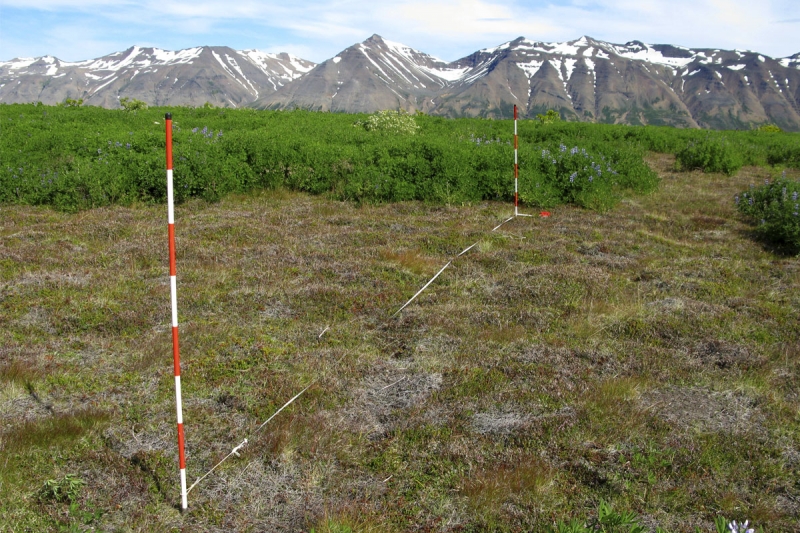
(132,105)
(61,490)
(588,178)
(390,122)
(784,153)
(775,207)
(712,154)
(81,157)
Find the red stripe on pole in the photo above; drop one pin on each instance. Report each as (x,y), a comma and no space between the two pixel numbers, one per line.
(171,234)
(515,111)
(176,353)
(181,455)
(168,122)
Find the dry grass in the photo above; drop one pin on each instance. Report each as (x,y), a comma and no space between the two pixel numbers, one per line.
(646,356)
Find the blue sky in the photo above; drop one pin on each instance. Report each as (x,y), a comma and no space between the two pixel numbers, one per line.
(74,30)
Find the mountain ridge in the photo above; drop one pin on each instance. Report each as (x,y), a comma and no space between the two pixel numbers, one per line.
(584,79)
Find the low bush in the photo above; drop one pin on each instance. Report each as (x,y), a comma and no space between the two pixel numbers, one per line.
(588,178)
(390,122)
(712,154)
(77,158)
(775,207)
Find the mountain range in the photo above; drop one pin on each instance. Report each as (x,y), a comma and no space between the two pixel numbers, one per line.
(584,79)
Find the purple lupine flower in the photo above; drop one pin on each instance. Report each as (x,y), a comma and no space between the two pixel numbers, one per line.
(574,150)
(794,196)
(736,199)
(740,528)
(562,148)
(572,177)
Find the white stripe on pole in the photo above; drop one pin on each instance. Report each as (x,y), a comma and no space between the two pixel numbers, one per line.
(184,493)
(178,399)
(170,198)
(173,289)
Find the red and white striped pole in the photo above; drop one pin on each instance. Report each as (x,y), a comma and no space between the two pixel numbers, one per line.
(173,283)
(516,166)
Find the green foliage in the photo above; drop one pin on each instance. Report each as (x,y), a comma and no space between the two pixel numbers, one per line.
(611,521)
(79,158)
(65,489)
(550,117)
(712,154)
(770,128)
(69,102)
(397,122)
(607,521)
(132,105)
(785,150)
(584,177)
(775,207)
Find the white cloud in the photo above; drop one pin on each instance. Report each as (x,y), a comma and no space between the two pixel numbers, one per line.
(474,18)
(449,29)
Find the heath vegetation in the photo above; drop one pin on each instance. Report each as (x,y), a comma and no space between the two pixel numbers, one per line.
(630,363)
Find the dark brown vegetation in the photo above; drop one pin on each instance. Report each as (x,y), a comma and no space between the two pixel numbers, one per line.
(647,356)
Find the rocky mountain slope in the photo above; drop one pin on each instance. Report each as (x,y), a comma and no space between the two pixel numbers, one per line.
(218,75)
(373,75)
(584,79)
